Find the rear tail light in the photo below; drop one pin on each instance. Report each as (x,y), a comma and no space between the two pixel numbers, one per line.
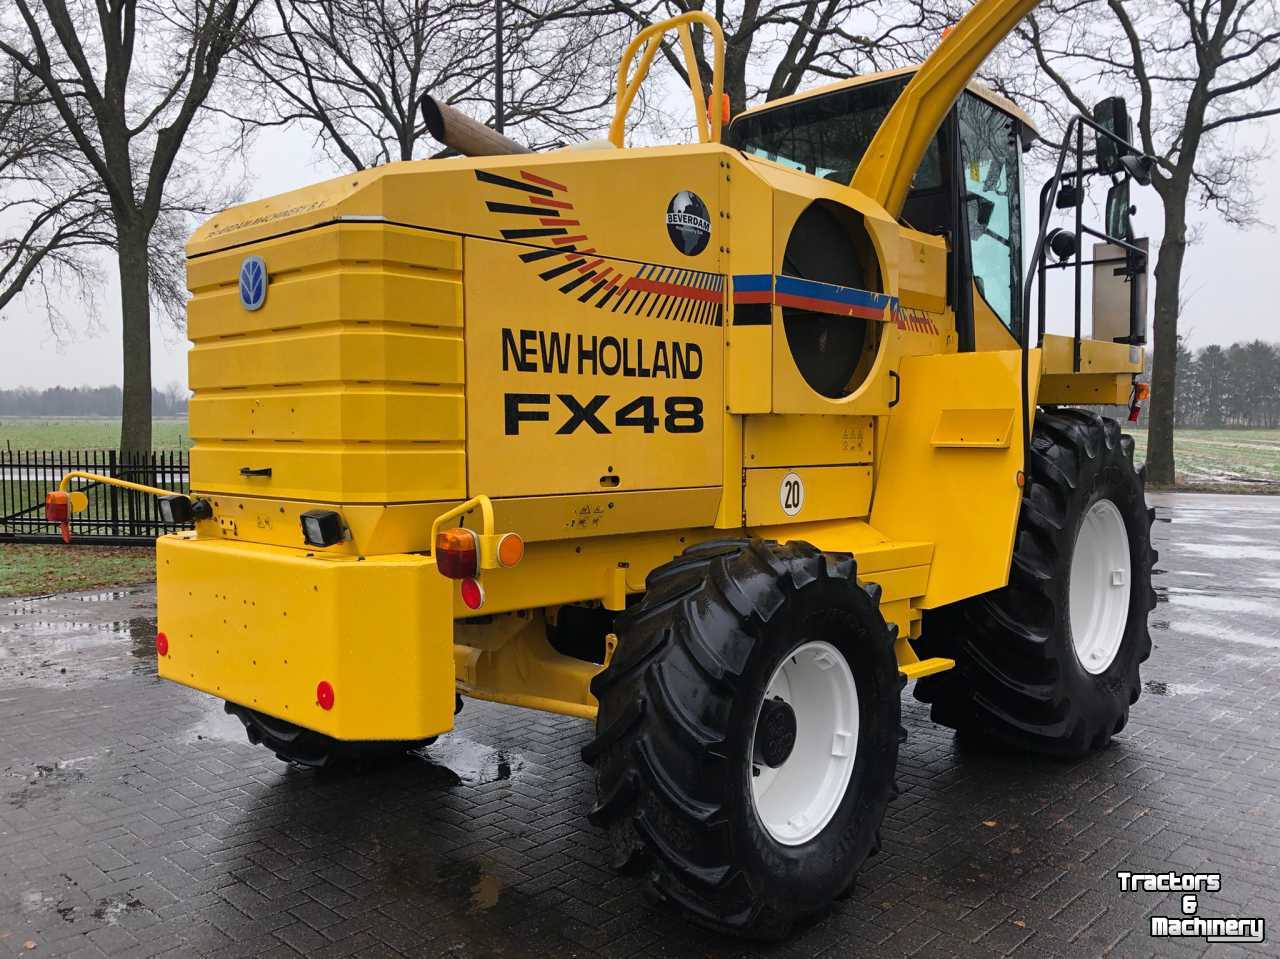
(458,553)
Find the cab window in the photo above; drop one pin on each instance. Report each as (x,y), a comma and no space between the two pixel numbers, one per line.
(991,187)
(827,135)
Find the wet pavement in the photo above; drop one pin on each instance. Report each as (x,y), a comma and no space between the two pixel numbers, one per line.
(135,820)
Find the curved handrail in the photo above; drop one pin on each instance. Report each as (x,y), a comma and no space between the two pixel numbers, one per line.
(710,121)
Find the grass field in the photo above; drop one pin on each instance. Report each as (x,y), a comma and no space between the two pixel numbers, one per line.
(59,433)
(32,570)
(1240,460)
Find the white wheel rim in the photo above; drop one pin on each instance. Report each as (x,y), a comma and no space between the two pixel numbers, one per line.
(1100,584)
(795,801)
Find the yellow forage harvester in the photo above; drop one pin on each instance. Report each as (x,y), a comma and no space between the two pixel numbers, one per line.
(714,445)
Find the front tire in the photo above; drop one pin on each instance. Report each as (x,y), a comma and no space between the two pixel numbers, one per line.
(747,737)
(1050,662)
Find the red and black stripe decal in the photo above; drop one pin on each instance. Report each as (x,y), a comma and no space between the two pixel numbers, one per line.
(684,296)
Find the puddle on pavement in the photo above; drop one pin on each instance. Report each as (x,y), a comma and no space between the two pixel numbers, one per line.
(1233,552)
(1197,599)
(45,780)
(106,597)
(1157,688)
(469,761)
(217,725)
(1227,634)
(48,641)
(485,892)
(468,880)
(106,911)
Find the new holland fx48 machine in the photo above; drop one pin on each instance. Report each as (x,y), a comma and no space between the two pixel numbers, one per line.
(717,445)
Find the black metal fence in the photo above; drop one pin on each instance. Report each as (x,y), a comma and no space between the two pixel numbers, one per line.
(114,515)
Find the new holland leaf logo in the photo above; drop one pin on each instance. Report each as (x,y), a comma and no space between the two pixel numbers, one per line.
(253,283)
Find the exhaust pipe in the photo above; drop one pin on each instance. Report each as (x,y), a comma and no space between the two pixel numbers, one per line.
(459,132)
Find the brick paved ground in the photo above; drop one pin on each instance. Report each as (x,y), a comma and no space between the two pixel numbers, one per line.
(134,819)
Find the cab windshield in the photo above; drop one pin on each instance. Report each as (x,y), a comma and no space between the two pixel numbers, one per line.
(827,135)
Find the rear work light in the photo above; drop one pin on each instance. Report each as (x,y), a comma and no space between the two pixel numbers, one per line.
(178,510)
(322,527)
(458,553)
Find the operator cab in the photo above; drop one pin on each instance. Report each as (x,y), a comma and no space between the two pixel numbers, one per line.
(967,185)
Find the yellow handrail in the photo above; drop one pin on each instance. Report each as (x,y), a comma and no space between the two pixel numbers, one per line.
(710,119)
(462,509)
(110,481)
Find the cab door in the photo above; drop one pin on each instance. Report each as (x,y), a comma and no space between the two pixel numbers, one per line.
(990,186)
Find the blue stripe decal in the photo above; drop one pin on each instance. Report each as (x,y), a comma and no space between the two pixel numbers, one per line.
(845,295)
(753,282)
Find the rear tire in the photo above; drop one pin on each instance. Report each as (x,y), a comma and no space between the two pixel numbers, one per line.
(305,747)
(1050,663)
(689,715)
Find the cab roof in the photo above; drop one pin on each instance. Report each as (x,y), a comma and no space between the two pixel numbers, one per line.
(1029,131)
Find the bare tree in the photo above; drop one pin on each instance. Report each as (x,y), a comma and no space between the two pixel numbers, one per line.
(1195,72)
(52,207)
(772,47)
(127,79)
(355,71)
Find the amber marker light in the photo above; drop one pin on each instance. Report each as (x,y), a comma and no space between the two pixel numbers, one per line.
(57,509)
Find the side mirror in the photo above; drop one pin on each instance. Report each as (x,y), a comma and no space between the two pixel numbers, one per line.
(985,209)
(1119,211)
(982,218)
(1113,116)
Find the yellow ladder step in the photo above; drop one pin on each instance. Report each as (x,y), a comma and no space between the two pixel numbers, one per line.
(926,667)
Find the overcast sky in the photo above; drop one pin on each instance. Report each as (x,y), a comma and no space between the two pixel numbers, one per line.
(1232,281)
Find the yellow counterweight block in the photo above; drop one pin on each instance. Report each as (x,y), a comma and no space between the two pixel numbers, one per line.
(354,648)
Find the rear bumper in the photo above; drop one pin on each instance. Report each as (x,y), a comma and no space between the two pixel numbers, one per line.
(263,626)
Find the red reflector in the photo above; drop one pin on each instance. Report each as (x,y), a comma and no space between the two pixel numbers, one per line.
(1134,412)
(458,553)
(162,644)
(472,593)
(324,695)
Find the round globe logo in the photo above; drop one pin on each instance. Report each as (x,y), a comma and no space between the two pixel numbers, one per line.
(688,223)
(253,282)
